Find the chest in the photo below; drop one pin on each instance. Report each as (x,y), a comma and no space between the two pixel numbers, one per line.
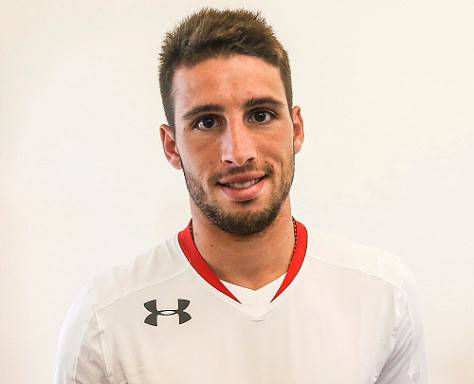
(187,337)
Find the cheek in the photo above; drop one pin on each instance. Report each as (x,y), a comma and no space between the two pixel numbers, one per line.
(278,150)
(199,166)
(206,149)
(280,138)
(199,150)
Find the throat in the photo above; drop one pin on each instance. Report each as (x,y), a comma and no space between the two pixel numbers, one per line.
(251,263)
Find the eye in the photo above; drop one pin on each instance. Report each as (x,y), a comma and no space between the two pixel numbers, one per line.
(261,116)
(206,122)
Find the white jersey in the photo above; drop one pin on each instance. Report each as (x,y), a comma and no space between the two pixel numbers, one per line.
(343,313)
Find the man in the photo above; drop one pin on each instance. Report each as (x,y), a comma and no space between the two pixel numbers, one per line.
(245,293)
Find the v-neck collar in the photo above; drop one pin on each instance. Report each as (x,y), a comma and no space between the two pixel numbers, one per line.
(191,252)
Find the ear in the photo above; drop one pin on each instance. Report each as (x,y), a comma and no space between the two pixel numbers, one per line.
(298,129)
(170,147)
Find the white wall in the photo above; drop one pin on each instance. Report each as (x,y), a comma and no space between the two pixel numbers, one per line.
(387,93)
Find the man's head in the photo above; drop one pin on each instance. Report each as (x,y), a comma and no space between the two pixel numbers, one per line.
(210,33)
(231,128)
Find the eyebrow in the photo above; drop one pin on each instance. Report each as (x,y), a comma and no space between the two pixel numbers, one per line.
(202,108)
(263,100)
(219,108)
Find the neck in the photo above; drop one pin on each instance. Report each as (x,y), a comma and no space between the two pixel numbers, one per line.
(249,261)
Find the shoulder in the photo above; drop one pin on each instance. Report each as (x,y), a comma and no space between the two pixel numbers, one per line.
(379,277)
(361,259)
(81,353)
(160,263)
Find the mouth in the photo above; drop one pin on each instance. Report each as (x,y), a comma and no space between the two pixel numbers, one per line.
(242,185)
(244,190)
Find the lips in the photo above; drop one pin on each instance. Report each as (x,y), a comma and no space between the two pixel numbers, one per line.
(242,185)
(241,178)
(241,188)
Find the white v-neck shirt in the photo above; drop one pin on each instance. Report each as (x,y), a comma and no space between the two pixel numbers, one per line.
(344,314)
(257,300)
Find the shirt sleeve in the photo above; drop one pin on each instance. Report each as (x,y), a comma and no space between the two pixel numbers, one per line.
(79,357)
(407,362)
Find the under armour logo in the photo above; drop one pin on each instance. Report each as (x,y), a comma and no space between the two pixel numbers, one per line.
(152,319)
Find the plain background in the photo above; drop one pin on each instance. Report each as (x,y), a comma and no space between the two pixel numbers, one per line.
(387,95)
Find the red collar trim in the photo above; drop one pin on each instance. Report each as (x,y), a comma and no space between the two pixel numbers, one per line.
(191,252)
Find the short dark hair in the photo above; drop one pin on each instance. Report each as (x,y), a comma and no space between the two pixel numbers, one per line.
(209,33)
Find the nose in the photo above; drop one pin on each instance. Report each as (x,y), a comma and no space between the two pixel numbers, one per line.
(237,144)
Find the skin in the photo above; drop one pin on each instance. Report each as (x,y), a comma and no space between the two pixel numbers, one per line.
(253,244)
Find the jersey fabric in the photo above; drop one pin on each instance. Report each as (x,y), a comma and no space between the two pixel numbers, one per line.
(257,300)
(343,313)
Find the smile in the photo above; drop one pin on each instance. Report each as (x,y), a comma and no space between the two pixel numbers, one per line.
(244,190)
(243,185)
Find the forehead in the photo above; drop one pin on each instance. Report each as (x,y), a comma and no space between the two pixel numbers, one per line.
(227,81)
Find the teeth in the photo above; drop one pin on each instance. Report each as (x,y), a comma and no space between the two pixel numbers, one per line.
(242,185)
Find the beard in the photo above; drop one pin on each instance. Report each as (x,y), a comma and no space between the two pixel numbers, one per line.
(245,223)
